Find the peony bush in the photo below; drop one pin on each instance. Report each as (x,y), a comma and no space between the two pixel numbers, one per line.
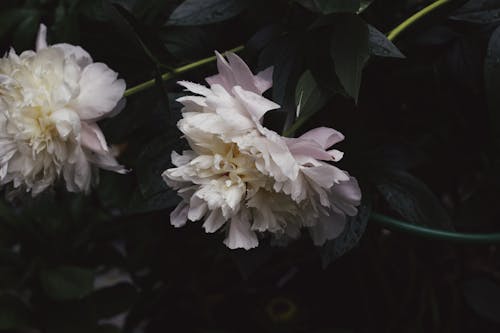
(284,166)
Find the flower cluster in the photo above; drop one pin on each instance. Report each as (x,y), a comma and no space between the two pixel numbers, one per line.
(50,102)
(248,180)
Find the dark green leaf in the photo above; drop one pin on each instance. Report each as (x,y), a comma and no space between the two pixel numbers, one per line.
(349,50)
(412,199)
(479,11)
(198,12)
(187,42)
(127,25)
(483,296)
(308,96)
(14,313)
(351,235)
(337,6)
(67,282)
(492,80)
(379,45)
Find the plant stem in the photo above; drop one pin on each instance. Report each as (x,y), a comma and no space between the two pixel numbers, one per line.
(176,71)
(414,18)
(437,234)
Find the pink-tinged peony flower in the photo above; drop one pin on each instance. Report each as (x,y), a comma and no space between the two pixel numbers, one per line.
(246,179)
(50,102)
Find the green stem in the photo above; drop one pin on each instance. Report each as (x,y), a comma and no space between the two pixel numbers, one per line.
(414,18)
(175,72)
(431,233)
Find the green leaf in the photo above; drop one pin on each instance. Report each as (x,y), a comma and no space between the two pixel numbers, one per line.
(349,51)
(14,313)
(478,11)
(67,282)
(492,80)
(412,199)
(380,46)
(198,12)
(351,235)
(308,96)
(337,6)
(483,296)
(127,26)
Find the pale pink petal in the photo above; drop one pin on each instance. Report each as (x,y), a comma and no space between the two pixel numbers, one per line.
(243,76)
(324,136)
(225,77)
(308,148)
(255,104)
(264,80)
(325,175)
(346,196)
(336,154)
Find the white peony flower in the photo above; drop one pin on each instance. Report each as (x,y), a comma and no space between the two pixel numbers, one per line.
(50,102)
(247,179)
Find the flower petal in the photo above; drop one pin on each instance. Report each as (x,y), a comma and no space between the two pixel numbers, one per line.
(324,136)
(41,38)
(264,80)
(240,235)
(179,216)
(91,137)
(100,92)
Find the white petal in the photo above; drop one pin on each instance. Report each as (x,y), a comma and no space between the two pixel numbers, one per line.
(195,88)
(66,122)
(100,91)
(197,208)
(83,59)
(105,161)
(179,216)
(214,221)
(240,235)
(78,175)
(91,137)
(41,38)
